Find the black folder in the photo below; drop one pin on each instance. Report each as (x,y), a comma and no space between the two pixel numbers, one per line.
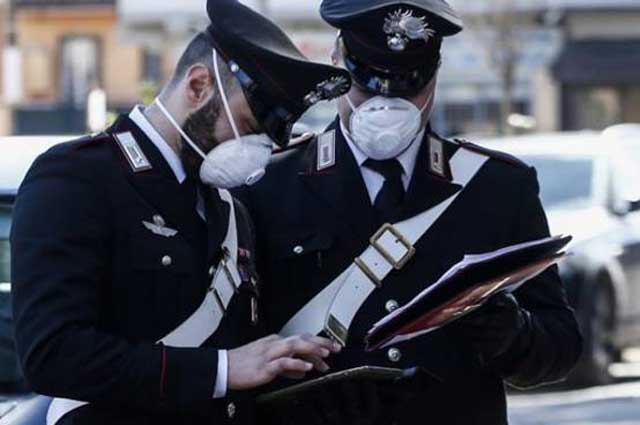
(466,287)
(308,389)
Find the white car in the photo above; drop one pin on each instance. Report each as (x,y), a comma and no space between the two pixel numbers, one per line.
(590,188)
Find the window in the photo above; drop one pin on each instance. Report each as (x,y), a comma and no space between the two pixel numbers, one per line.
(151,66)
(555,172)
(79,72)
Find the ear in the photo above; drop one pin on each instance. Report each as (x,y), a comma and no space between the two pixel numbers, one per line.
(199,85)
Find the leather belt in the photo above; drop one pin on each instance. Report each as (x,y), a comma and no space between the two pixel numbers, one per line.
(204,322)
(335,307)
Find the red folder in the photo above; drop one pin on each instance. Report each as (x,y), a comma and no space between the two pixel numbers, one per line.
(465,288)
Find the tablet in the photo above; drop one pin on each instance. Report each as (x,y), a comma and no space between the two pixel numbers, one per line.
(363,373)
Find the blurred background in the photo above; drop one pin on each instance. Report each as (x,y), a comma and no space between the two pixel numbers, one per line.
(520,65)
(556,82)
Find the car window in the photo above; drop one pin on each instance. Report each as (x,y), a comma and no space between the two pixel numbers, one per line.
(626,166)
(564,180)
(5,263)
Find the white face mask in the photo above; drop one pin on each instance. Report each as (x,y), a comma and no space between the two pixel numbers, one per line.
(384,127)
(233,163)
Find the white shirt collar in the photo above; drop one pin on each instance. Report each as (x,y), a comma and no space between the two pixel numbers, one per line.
(167,152)
(407,158)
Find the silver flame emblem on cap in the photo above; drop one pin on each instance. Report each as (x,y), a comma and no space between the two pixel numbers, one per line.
(402,26)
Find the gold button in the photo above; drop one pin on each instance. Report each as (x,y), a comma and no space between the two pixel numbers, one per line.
(167,261)
(394,355)
(391,306)
(231,410)
(298,250)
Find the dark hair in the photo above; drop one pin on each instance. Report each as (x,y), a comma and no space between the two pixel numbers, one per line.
(200,51)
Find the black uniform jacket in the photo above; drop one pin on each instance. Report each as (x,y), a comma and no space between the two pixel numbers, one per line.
(329,215)
(94,289)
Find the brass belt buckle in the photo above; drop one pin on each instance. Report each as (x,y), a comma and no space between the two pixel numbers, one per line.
(336,330)
(375,243)
(397,264)
(218,299)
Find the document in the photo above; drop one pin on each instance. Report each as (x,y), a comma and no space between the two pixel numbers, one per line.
(465,288)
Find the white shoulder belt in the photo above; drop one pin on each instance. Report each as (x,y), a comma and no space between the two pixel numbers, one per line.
(204,322)
(334,308)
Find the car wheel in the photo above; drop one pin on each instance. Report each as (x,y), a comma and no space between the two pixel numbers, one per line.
(598,327)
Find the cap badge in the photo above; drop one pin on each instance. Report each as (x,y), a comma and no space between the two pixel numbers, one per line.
(327,90)
(402,26)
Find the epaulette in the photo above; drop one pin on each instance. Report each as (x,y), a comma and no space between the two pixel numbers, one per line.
(500,156)
(297,142)
(91,139)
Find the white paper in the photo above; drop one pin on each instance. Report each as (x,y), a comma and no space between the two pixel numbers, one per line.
(467,261)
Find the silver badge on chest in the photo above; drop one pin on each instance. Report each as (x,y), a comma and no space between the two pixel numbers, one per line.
(158,227)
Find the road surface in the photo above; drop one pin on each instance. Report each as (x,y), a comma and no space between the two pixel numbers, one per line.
(610,405)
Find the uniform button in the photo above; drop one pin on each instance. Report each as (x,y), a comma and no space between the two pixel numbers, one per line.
(298,250)
(231,410)
(394,355)
(391,306)
(212,270)
(167,261)
(159,221)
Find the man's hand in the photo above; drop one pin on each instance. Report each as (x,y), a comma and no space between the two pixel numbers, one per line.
(262,361)
(494,328)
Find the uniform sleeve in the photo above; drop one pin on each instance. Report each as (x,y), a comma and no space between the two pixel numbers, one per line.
(62,243)
(552,343)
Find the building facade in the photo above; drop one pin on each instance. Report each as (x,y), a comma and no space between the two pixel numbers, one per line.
(69,48)
(574,65)
(594,81)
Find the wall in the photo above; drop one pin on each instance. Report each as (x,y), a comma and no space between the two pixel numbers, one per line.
(603,24)
(40,33)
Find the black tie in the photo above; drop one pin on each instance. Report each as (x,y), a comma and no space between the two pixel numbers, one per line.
(189,191)
(392,193)
(195,228)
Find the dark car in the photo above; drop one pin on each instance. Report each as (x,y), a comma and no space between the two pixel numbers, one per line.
(590,187)
(16,156)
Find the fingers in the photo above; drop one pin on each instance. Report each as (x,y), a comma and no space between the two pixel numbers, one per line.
(318,364)
(330,345)
(297,347)
(288,366)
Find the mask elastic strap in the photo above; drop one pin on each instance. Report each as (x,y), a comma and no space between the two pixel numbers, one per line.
(350,102)
(427,102)
(223,95)
(180,130)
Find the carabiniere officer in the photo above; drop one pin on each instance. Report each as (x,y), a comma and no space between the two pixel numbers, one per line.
(135,294)
(380,162)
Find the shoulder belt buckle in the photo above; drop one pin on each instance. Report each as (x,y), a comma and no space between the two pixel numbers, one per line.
(386,239)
